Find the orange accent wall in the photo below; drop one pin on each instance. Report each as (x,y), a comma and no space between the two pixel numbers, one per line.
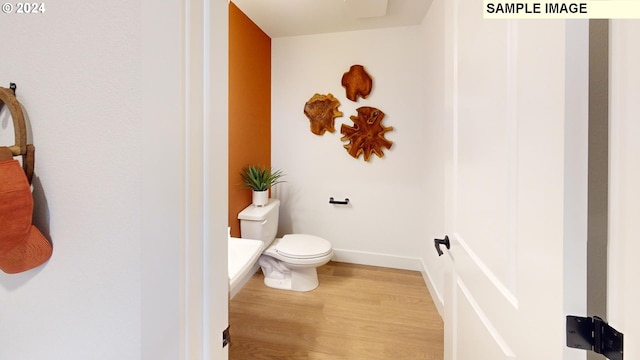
(249,106)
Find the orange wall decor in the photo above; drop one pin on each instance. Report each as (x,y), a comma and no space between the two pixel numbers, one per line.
(249,106)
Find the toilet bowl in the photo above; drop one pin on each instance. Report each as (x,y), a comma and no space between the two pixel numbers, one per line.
(290,262)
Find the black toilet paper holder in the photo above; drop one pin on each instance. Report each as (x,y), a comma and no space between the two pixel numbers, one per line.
(338,202)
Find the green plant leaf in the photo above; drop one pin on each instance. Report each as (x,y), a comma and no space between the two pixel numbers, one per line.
(260,178)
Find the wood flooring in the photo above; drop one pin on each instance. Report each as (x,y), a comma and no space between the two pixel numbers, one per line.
(358,312)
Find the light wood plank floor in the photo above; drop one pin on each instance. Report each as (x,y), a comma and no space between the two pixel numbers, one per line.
(358,312)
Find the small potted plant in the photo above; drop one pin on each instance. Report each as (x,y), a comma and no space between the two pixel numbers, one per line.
(259,179)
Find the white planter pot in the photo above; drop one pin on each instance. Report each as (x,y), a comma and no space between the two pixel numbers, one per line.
(260,198)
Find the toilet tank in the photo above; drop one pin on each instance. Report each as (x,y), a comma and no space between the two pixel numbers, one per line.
(260,223)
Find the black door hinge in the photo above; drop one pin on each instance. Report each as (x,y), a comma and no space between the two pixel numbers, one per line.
(596,335)
(226,337)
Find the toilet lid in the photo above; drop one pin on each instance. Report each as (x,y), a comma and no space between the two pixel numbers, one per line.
(303,246)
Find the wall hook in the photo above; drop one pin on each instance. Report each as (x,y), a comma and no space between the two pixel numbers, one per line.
(13,87)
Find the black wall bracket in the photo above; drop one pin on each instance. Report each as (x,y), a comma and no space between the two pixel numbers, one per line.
(226,337)
(596,335)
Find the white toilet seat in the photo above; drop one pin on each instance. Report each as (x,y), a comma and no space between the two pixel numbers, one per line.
(302,246)
(300,249)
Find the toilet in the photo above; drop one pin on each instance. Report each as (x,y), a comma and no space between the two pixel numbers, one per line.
(290,262)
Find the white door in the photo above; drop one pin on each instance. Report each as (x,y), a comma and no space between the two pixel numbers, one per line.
(623,296)
(515,184)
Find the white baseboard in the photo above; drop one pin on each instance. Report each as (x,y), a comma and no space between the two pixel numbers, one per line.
(436,296)
(376,259)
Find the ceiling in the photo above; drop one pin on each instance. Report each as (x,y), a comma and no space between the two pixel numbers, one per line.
(281,18)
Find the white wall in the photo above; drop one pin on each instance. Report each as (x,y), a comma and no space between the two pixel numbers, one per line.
(77,71)
(162,197)
(433,29)
(103,88)
(388,220)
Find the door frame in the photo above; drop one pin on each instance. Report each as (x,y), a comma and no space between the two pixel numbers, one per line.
(184,280)
(622,291)
(206,283)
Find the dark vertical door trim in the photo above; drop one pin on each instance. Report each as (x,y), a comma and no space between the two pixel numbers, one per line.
(598,182)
